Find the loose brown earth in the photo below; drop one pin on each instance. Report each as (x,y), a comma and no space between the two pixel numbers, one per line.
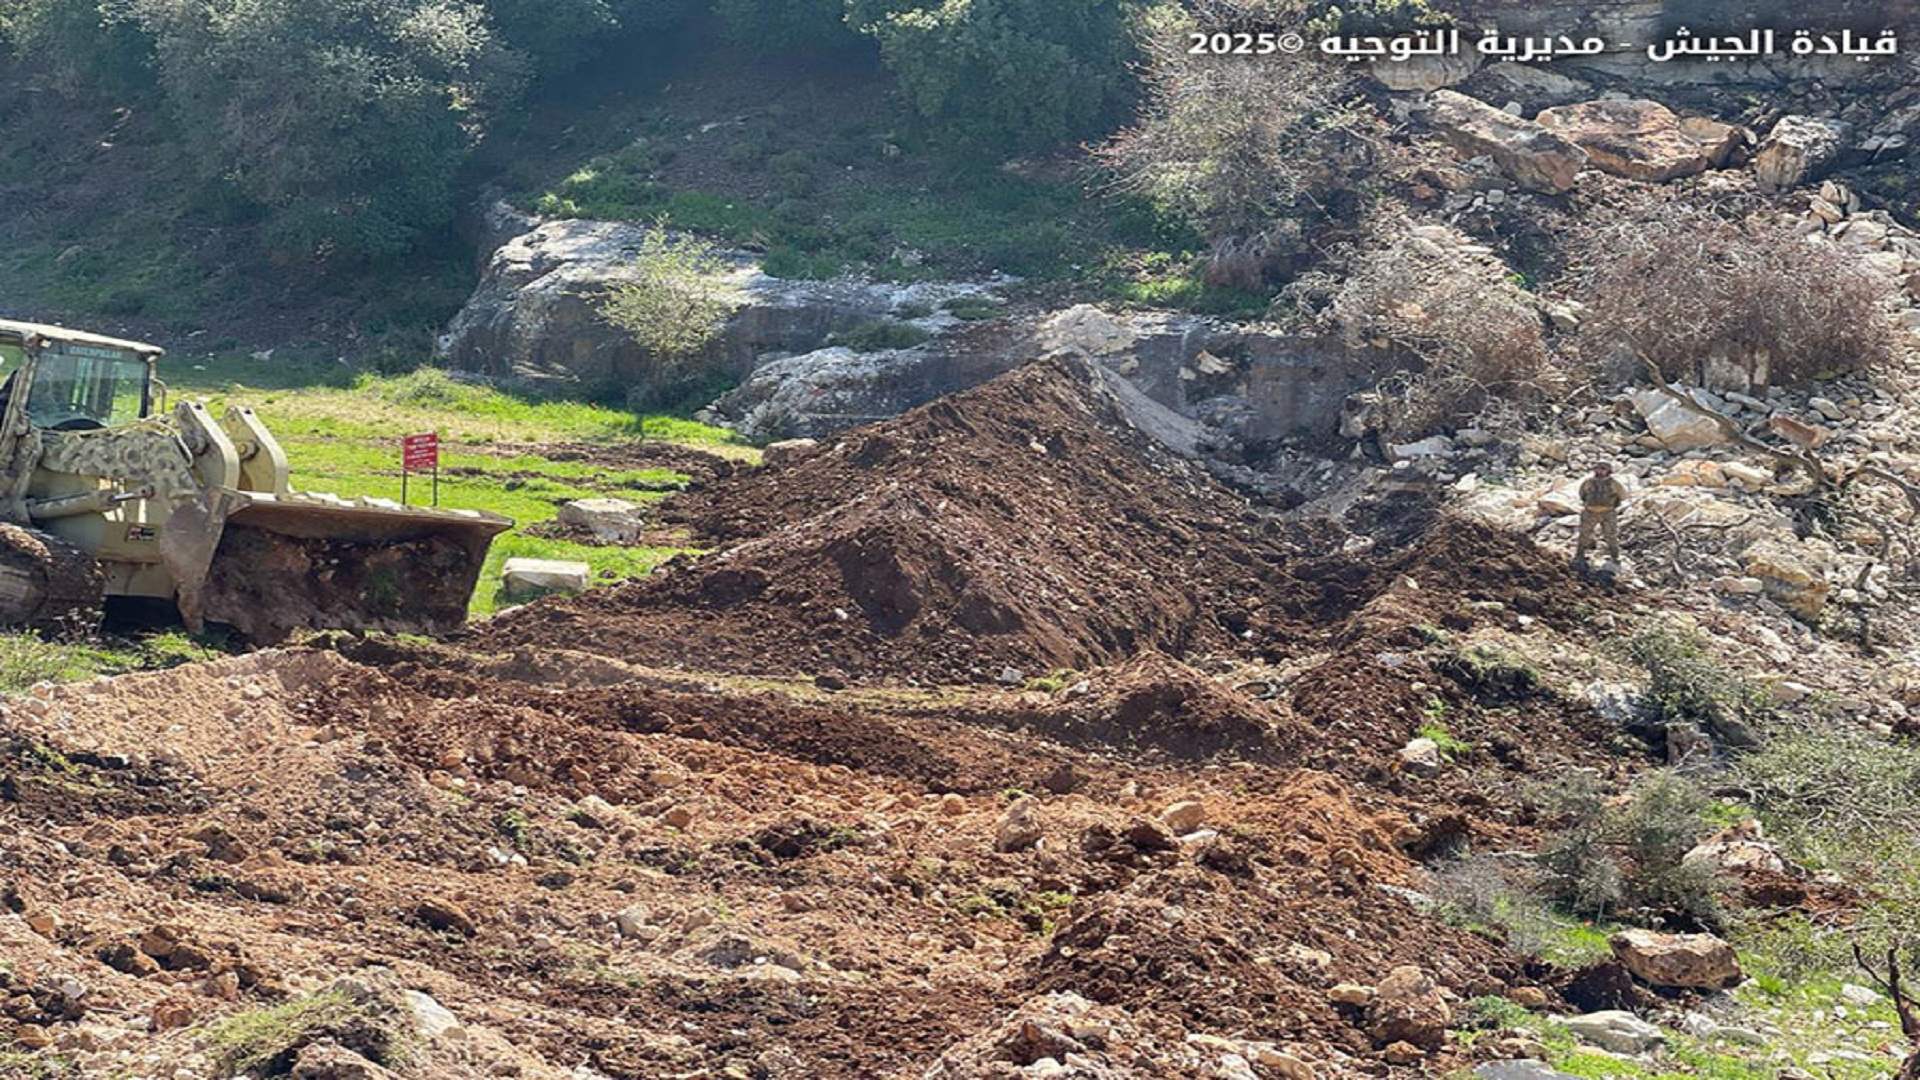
(786,763)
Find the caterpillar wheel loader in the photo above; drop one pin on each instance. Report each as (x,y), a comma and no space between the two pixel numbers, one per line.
(104,493)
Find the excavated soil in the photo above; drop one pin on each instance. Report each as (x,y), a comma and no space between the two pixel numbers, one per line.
(784,810)
(1025,524)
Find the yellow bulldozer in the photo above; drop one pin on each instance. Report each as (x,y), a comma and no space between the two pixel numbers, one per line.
(105,493)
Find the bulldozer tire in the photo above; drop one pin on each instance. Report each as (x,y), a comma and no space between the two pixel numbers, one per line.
(47,583)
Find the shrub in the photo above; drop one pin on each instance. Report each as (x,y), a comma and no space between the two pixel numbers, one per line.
(788,26)
(1686,685)
(558,34)
(265,1041)
(1237,147)
(1007,73)
(1374,17)
(1629,856)
(1476,335)
(1681,286)
(1581,871)
(84,43)
(675,305)
(1665,817)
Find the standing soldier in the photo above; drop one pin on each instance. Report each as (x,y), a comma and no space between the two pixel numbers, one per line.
(1600,499)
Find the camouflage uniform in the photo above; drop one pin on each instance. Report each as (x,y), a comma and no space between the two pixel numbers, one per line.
(1600,499)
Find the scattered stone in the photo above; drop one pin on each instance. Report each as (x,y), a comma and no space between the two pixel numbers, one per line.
(328,1060)
(614,520)
(631,921)
(170,1013)
(1528,997)
(1517,1069)
(1407,1007)
(442,914)
(1855,994)
(1351,994)
(1403,1053)
(1697,961)
(126,958)
(1801,434)
(430,1018)
(1422,757)
(1425,72)
(524,579)
(1788,578)
(1019,828)
(1678,428)
(1184,817)
(1798,150)
(677,817)
(1616,1030)
(776,455)
(952,805)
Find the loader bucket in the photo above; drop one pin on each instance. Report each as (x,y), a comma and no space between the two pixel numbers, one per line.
(267,565)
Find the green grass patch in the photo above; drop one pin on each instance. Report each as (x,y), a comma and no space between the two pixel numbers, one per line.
(265,1040)
(27,658)
(1450,745)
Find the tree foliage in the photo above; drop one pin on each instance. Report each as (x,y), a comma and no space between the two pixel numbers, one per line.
(1239,147)
(345,121)
(675,303)
(1007,73)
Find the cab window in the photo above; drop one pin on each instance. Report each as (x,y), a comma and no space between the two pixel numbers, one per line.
(79,386)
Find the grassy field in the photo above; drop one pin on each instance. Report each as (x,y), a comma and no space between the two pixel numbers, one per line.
(342,430)
(342,435)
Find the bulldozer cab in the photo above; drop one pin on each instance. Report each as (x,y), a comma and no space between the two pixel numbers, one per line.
(72,381)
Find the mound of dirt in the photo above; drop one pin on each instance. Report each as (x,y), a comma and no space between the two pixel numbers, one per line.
(1030,523)
(1027,522)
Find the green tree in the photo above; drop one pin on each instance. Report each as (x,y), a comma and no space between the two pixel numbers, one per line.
(675,302)
(788,26)
(1007,73)
(558,35)
(86,44)
(344,120)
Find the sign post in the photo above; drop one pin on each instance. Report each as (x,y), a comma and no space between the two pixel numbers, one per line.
(420,453)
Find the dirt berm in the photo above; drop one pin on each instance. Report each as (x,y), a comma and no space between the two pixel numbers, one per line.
(1028,523)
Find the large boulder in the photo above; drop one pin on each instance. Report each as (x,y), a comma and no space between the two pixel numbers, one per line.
(828,390)
(1642,140)
(1408,1007)
(616,521)
(1692,961)
(1798,150)
(1532,156)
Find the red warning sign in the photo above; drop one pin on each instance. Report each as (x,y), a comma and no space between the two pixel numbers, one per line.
(420,453)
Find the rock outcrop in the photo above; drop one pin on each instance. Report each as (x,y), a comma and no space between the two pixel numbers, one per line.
(536,313)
